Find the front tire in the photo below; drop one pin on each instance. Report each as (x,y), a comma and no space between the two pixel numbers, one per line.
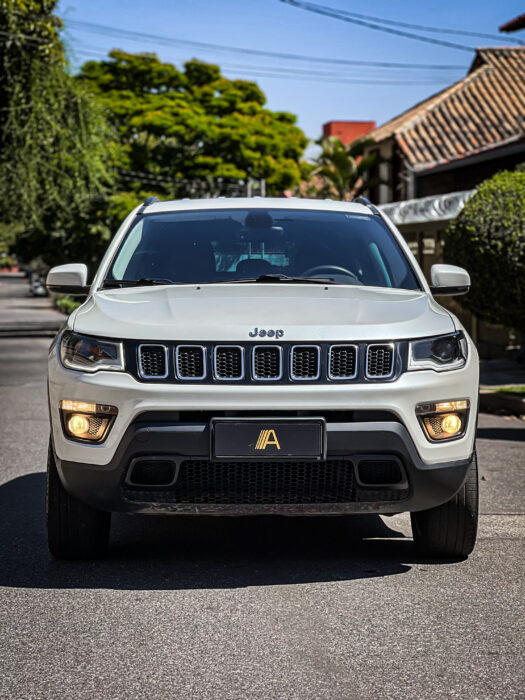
(74,529)
(450,530)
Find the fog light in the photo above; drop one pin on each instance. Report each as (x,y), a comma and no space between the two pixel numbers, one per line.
(85,421)
(451,424)
(443,420)
(78,424)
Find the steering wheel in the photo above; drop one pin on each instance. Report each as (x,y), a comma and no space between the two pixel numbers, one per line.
(333,268)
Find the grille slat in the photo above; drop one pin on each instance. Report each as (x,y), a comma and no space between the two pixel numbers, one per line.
(267,362)
(305,362)
(153,361)
(229,362)
(380,360)
(190,362)
(343,362)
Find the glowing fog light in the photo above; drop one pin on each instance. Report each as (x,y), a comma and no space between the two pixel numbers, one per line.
(78,424)
(443,420)
(85,421)
(451,424)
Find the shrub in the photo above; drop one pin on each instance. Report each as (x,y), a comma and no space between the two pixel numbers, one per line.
(488,238)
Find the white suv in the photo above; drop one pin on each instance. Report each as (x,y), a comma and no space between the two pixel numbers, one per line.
(258,356)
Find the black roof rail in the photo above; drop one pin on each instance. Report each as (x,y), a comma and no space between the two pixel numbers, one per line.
(147,202)
(367,203)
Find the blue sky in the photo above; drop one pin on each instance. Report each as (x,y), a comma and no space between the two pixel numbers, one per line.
(271,25)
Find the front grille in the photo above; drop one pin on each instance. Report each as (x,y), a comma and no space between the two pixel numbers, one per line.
(229,362)
(305,362)
(343,361)
(190,362)
(267,362)
(265,482)
(153,361)
(380,360)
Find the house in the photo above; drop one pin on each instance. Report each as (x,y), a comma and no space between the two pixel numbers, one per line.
(462,135)
(434,155)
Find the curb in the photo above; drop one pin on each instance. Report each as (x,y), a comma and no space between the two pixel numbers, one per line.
(498,401)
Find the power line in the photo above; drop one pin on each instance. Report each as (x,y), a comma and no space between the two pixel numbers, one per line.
(311,76)
(205,46)
(335,14)
(424,28)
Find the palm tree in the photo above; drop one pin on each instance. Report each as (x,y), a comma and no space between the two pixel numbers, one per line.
(341,170)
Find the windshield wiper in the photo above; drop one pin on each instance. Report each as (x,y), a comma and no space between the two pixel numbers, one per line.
(278,278)
(143,282)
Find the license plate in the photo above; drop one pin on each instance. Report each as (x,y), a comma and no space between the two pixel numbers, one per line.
(272,439)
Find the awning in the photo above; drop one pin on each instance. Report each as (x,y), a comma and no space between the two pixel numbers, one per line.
(440,207)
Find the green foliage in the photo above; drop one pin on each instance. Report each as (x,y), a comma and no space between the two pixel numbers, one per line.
(341,170)
(488,238)
(66,304)
(53,139)
(188,127)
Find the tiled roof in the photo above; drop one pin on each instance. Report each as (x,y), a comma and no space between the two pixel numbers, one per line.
(484,110)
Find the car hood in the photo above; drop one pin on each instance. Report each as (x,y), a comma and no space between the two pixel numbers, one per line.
(231,312)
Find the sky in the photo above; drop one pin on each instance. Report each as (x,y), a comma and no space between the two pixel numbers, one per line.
(316,92)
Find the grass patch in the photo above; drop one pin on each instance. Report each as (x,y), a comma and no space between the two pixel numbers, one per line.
(515,390)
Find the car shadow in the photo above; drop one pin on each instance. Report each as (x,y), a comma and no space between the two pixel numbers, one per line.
(512,434)
(170,553)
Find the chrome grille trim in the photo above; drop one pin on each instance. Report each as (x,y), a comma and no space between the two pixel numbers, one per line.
(139,363)
(391,346)
(356,360)
(186,379)
(305,347)
(267,379)
(227,379)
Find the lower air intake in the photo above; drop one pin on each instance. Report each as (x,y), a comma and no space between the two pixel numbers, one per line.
(271,482)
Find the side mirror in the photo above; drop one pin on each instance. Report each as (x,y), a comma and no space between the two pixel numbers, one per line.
(68,279)
(447,280)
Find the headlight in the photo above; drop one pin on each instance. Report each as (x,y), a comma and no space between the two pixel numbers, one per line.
(87,354)
(440,354)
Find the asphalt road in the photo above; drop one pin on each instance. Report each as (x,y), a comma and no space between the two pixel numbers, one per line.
(259,608)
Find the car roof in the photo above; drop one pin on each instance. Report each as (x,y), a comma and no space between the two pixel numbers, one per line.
(256,203)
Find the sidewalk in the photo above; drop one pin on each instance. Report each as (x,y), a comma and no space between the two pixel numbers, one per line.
(22,314)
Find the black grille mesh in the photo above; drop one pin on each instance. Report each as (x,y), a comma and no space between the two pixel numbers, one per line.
(228,362)
(343,361)
(190,361)
(152,360)
(380,360)
(265,482)
(305,362)
(266,362)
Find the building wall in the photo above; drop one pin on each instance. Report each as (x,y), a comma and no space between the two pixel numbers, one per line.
(347,131)
(465,177)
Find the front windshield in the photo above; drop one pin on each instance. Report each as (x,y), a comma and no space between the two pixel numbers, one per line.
(224,245)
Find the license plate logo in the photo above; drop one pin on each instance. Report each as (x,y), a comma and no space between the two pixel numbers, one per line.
(267,437)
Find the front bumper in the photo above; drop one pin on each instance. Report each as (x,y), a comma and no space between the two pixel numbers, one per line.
(420,487)
(96,473)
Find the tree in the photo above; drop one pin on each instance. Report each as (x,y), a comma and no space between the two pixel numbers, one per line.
(182,129)
(341,170)
(488,238)
(53,140)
